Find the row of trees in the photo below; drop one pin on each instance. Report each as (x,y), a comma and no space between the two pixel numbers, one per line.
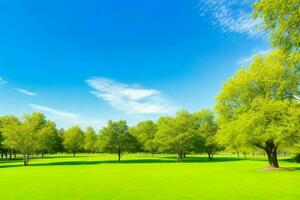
(257,109)
(182,134)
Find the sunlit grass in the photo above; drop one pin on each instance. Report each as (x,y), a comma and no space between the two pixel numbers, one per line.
(142,176)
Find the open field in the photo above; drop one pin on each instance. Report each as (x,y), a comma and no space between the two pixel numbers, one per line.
(146,177)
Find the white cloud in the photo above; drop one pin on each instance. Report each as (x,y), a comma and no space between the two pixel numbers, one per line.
(130,98)
(26,92)
(231,16)
(247,60)
(61,114)
(69,118)
(2,81)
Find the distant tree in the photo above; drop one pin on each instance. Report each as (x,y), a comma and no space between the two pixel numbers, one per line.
(74,140)
(145,133)
(23,135)
(90,139)
(5,122)
(48,139)
(206,126)
(257,106)
(176,134)
(116,138)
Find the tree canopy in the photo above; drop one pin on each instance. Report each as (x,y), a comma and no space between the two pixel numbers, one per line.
(257,106)
(116,138)
(281,19)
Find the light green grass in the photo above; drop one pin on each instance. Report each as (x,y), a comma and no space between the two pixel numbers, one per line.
(145,177)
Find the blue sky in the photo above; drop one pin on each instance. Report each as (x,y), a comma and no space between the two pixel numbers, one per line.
(84,62)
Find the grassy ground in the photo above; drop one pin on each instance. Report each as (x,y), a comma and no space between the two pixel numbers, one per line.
(145,177)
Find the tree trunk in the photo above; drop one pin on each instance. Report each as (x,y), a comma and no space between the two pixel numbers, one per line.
(25,159)
(119,156)
(238,154)
(210,155)
(179,156)
(42,155)
(73,154)
(245,155)
(271,151)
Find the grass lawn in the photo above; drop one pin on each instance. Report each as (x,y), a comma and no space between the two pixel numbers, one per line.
(145,177)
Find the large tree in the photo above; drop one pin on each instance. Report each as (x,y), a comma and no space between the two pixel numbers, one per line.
(74,140)
(116,138)
(257,106)
(145,133)
(23,135)
(176,134)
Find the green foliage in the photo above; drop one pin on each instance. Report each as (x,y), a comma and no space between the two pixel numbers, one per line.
(176,134)
(145,133)
(256,105)
(206,127)
(281,19)
(90,139)
(48,138)
(74,140)
(24,135)
(116,138)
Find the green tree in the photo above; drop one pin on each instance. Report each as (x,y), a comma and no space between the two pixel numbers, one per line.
(48,139)
(281,19)
(5,122)
(90,139)
(23,135)
(206,126)
(257,106)
(145,133)
(74,140)
(116,138)
(176,134)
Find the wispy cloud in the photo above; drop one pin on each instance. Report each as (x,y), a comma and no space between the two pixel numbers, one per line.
(247,60)
(132,99)
(26,92)
(69,117)
(231,16)
(61,114)
(2,81)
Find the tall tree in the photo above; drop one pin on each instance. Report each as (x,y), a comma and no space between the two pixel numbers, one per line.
(74,140)
(206,126)
(116,138)
(256,104)
(23,135)
(176,134)
(145,133)
(90,139)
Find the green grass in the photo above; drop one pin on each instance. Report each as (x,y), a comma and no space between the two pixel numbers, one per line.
(145,177)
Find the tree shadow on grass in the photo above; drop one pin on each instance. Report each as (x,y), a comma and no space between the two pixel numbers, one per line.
(171,159)
(138,161)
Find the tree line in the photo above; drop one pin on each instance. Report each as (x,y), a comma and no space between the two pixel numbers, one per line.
(257,110)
